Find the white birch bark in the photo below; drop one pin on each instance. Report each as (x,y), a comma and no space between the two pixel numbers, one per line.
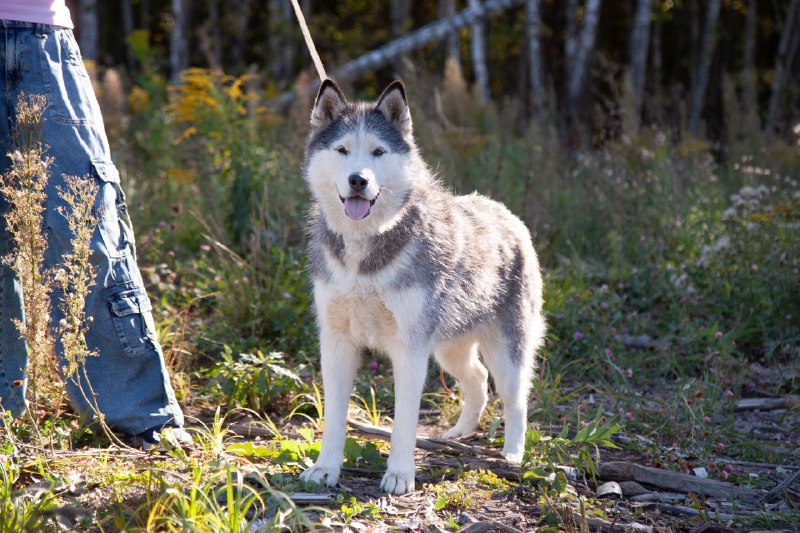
(708,44)
(479,55)
(639,44)
(179,46)
(583,50)
(533,23)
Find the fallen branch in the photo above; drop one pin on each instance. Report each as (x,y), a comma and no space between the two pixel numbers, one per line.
(413,40)
(625,471)
(426,443)
(765,404)
(681,510)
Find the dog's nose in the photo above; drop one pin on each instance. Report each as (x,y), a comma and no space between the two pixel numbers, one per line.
(357,182)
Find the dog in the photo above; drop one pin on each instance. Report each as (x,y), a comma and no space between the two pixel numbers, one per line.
(402,266)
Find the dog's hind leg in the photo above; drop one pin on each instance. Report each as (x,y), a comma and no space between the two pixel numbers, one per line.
(510,361)
(340,360)
(459,358)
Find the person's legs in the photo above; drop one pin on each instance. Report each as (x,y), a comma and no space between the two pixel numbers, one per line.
(127,380)
(13,354)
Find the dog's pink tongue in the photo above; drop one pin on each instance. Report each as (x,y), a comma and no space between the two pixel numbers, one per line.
(356,207)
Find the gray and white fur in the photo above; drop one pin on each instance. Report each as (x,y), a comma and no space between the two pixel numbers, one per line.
(402,266)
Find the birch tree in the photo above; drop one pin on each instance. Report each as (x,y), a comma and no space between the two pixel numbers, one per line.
(400,21)
(533,23)
(179,45)
(583,47)
(413,40)
(708,44)
(479,55)
(447,8)
(790,38)
(639,43)
(279,38)
(89,29)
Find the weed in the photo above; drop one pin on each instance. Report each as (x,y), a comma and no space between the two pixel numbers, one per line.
(258,381)
(353,509)
(23,187)
(544,455)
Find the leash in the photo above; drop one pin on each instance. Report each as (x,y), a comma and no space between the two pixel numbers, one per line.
(309,42)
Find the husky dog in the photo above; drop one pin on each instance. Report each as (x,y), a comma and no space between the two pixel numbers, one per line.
(402,266)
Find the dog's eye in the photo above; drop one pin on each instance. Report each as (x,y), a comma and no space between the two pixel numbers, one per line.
(377,152)
(342,150)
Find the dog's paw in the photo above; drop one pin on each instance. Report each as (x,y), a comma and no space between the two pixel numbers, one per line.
(322,475)
(513,456)
(398,483)
(458,431)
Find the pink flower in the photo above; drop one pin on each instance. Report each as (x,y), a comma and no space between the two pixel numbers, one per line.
(718,335)
(723,475)
(628,372)
(706,419)
(628,415)
(720,446)
(577,336)
(373,367)
(729,394)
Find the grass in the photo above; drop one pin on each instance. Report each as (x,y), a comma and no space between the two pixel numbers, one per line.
(671,279)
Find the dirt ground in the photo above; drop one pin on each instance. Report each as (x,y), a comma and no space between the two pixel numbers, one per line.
(655,498)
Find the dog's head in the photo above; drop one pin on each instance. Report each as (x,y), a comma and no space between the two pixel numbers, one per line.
(359,158)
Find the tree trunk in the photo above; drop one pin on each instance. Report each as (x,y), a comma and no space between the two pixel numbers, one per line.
(571,41)
(533,24)
(127,28)
(179,46)
(583,50)
(479,56)
(709,42)
(240,13)
(655,52)
(89,29)
(790,38)
(640,41)
(279,39)
(400,18)
(447,8)
(749,77)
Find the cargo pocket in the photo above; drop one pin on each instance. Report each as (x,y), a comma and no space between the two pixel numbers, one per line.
(133,320)
(112,211)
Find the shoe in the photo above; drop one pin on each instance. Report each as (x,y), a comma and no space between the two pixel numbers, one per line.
(161,438)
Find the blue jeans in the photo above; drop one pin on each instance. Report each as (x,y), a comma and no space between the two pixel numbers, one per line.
(128,376)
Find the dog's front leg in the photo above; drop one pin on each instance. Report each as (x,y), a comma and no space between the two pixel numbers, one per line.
(409,378)
(340,359)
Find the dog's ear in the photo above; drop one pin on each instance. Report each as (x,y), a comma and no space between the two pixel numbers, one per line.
(394,106)
(328,106)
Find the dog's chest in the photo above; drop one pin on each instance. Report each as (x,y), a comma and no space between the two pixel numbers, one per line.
(364,317)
